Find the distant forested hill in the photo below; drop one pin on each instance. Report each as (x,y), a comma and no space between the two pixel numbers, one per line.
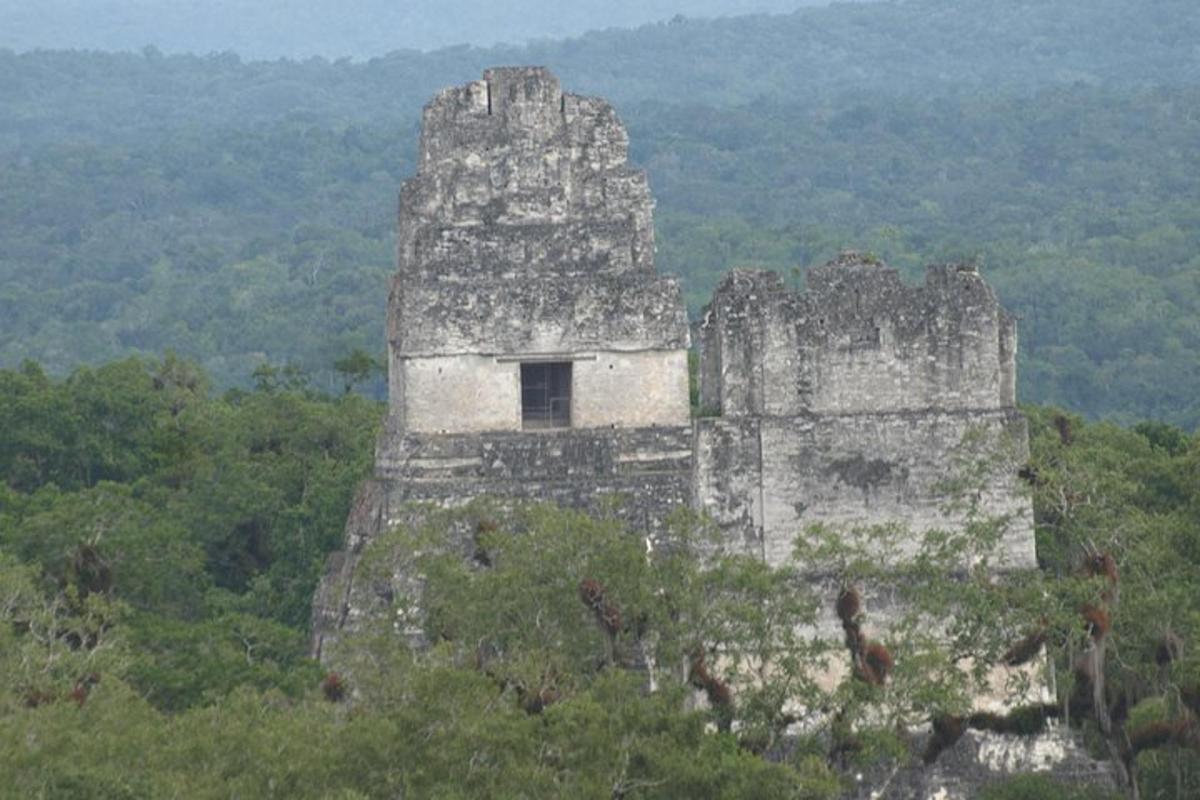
(241,212)
(356,28)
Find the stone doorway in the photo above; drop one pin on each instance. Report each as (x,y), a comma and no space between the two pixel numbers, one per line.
(546,395)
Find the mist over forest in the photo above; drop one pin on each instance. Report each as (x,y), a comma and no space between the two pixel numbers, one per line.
(353,28)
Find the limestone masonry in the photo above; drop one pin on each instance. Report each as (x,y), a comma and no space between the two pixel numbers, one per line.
(846,404)
(534,353)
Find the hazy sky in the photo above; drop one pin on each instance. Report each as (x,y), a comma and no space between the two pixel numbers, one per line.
(332,28)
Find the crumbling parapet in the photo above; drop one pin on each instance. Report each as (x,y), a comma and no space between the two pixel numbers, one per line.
(847,404)
(857,341)
(525,236)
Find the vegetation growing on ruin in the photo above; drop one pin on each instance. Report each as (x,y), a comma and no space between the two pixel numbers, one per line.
(160,543)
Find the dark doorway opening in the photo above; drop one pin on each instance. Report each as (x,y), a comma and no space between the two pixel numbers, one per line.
(546,395)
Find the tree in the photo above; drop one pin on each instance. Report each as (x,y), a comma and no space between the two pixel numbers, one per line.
(545,602)
(1116,516)
(355,368)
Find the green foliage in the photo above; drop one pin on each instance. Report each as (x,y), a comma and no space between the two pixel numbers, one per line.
(526,596)
(159,547)
(109,423)
(104,539)
(50,643)
(356,368)
(453,739)
(1132,494)
(209,517)
(1121,491)
(662,753)
(182,664)
(524,617)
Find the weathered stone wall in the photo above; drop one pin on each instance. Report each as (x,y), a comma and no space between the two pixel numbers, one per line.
(982,759)
(461,393)
(474,393)
(537,315)
(860,402)
(765,479)
(851,404)
(858,341)
(637,389)
(526,233)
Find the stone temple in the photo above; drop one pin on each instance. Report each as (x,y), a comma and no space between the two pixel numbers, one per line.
(533,350)
(534,353)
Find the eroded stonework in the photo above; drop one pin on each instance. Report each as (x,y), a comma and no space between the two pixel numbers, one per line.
(982,758)
(526,235)
(535,354)
(848,404)
(526,241)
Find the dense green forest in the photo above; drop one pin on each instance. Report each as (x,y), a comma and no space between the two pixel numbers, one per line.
(241,212)
(160,543)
